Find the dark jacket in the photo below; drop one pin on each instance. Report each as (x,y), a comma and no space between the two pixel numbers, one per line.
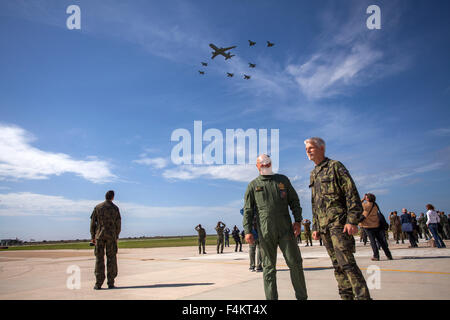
(405,218)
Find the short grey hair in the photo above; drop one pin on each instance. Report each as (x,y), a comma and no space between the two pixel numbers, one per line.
(319,142)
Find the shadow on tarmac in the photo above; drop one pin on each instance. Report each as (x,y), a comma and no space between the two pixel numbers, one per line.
(414,258)
(166,285)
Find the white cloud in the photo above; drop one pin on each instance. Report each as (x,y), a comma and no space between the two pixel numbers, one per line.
(57,207)
(326,72)
(20,160)
(382,179)
(241,173)
(157,163)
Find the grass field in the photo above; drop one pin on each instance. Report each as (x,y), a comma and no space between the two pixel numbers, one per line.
(138,243)
(145,243)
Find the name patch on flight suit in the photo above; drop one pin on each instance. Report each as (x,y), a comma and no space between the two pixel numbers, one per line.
(282,190)
(259,189)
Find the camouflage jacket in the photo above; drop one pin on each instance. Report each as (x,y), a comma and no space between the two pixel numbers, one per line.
(444,220)
(422,221)
(307,226)
(201,232)
(220,229)
(105,221)
(335,199)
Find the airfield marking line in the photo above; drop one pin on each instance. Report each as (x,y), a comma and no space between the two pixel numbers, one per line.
(284,265)
(414,271)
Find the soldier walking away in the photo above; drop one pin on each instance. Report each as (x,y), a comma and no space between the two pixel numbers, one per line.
(237,238)
(227,237)
(105,230)
(219,228)
(397,228)
(445,225)
(272,195)
(307,227)
(201,238)
(336,217)
(423,228)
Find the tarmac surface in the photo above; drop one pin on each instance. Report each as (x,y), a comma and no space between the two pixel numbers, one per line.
(181,273)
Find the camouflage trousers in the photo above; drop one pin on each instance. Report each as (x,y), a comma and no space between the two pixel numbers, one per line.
(201,243)
(398,235)
(220,244)
(111,264)
(308,237)
(294,261)
(340,247)
(252,253)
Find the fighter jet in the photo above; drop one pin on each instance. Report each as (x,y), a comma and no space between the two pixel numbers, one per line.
(221,51)
(230,74)
(251,43)
(204,64)
(201,72)
(251,65)
(270,44)
(246,77)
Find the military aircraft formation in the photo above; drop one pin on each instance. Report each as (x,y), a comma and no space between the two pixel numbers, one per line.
(227,55)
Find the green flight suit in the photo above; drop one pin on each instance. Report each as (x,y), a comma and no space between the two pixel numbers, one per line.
(336,202)
(272,195)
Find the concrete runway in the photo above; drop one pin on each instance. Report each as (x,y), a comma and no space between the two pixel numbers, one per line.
(181,273)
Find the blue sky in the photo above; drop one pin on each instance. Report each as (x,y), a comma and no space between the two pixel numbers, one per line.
(85,111)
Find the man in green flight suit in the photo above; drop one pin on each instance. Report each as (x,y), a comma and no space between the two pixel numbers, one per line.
(337,210)
(219,228)
(105,229)
(272,195)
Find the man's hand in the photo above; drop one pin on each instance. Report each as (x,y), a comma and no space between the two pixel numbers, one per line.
(297,228)
(249,238)
(316,235)
(351,229)
(93,241)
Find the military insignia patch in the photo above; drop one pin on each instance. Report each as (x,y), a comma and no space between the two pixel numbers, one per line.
(259,189)
(281,186)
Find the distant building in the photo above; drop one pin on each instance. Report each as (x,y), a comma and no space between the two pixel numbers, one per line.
(10,242)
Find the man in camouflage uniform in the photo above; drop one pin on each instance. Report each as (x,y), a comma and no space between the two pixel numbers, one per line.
(272,195)
(445,225)
(423,228)
(337,210)
(105,229)
(307,227)
(201,238)
(219,228)
(396,227)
